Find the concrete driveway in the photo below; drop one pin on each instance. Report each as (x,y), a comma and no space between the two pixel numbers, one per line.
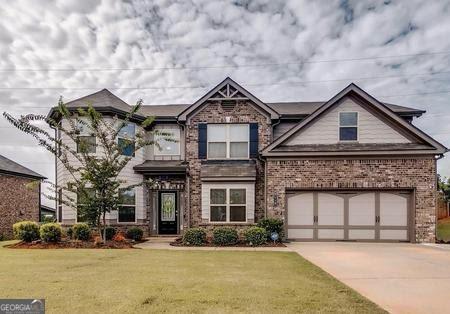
(401,278)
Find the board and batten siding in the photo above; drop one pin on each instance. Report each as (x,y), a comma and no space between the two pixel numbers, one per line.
(250,198)
(127,174)
(325,130)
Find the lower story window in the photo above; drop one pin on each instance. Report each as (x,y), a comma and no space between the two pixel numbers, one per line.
(127,207)
(228,205)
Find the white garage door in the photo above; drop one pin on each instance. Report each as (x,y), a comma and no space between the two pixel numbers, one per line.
(348,215)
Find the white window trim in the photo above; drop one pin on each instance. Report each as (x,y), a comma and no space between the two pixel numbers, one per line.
(227,142)
(348,126)
(135,211)
(133,138)
(157,152)
(228,205)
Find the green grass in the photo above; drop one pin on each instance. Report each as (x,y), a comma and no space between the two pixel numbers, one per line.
(143,281)
(443,229)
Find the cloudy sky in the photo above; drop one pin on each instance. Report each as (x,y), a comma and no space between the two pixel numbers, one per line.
(173,51)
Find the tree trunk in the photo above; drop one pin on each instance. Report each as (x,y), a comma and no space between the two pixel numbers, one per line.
(103,230)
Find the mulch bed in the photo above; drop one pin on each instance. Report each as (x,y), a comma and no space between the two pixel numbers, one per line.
(178,242)
(72,244)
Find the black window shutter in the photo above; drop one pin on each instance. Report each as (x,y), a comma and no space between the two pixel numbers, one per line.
(253,140)
(202,145)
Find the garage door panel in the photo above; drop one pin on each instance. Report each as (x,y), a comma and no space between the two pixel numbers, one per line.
(330,210)
(301,209)
(361,234)
(335,234)
(361,210)
(401,235)
(393,210)
(301,234)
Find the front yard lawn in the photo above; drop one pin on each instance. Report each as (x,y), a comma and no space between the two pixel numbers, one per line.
(443,230)
(132,280)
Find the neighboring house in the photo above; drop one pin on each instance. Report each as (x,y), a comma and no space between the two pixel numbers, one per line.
(351,168)
(47,213)
(20,199)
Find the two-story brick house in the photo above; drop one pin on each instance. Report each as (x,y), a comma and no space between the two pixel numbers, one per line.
(351,168)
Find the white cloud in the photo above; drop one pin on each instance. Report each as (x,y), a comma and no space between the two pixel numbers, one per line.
(116,34)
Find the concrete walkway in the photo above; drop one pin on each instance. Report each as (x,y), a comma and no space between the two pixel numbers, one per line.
(401,278)
(163,243)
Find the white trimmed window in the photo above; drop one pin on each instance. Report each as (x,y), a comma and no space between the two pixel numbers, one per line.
(125,139)
(228,141)
(228,202)
(348,126)
(167,147)
(127,207)
(86,142)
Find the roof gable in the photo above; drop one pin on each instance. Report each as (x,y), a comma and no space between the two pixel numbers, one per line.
(227,90)
(13,168)
(382,110)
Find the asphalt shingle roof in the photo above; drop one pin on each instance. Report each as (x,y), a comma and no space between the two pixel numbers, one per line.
(12,167)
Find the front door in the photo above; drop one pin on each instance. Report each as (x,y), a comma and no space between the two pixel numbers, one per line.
(168,213)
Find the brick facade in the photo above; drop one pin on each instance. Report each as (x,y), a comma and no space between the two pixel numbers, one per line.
(415,173)
(212,112)
(18,202)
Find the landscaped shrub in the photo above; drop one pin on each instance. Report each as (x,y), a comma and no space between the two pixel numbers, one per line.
(26,231)
(225,236)
(50,232)
(110,233)
(119,237)
(255,236)
(194,236)
(272,225)
(135,233)
(81,231)
(69,232)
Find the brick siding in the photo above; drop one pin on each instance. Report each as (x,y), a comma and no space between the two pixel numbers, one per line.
(409,173)
(18,202)
(212,112)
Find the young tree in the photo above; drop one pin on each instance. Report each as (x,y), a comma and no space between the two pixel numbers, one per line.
(94,176)
(444,187)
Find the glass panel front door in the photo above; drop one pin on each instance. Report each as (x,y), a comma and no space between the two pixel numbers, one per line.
(168,213)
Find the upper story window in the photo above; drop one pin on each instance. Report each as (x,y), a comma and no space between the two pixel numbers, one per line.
(228,141)
(126,139)
(167,147)
(348,126)
(86,141)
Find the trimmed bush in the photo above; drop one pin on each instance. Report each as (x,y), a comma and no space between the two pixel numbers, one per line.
(110,233)
(194,236)
(135,233)
(223,236)
(272,225)
(50,232)
(255,236)
(81,231)
(27,231)
(69,232)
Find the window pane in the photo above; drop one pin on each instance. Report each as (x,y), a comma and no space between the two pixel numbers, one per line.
(237,213)
(217,150)
(239,133)
(218,196)
(127,214)
(168,147)
(217,133)
(348,134)
(128,131)
(237,196)
(126,146)
(239,150)
(86,144)
(348,119)
(218,213)
(127,197)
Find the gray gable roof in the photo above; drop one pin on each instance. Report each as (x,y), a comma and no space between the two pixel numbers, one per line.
(13,168)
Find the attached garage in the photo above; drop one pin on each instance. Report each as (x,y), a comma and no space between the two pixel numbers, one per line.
(349,215)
